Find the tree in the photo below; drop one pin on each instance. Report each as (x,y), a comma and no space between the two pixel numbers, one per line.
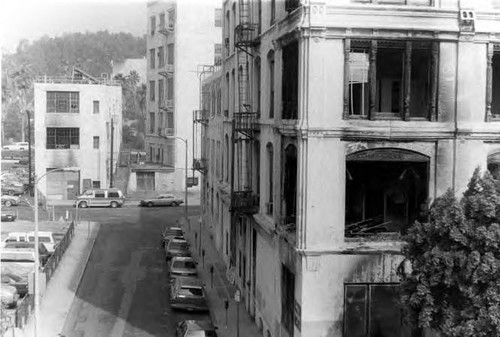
(452,285)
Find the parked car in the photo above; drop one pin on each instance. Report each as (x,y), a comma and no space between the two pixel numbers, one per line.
(170,233)
(18,262)
(162,200)
(177,247)
(8,295)
(187,293)
(19,146)
(8,217)
(13,189)
(9,200)
(192,328)
(20,283)
(47,238)
(111,197)
(43,253)
(182,266)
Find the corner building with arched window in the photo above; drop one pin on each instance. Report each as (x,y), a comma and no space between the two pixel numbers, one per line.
(335,124)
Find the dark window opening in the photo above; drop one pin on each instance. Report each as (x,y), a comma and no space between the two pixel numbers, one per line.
(270,58)
(384,196)
(290,185)
(96,184)
(287,299)
(390,64)
(63,138)
(152,90)
(391,79)
(495,97)
(152,59)
(289,84)
(151,122)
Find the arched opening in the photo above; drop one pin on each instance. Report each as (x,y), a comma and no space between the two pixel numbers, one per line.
(270,61)
(270,178)
(386,190)
(290,185)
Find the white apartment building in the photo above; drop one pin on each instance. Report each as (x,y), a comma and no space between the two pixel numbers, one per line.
(182,36)
(340,121)
(78,121)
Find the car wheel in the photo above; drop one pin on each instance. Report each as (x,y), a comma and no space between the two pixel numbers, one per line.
(8,203)
(114,204)
(150,204)
(83,204)
(175,204)
(11,192)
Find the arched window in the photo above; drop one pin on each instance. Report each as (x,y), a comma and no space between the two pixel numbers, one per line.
(270,61)
(270,172)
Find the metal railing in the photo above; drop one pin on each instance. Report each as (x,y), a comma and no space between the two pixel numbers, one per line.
(71,80)
(25,306)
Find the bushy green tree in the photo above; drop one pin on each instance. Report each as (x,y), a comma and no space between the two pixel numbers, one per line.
(453,283)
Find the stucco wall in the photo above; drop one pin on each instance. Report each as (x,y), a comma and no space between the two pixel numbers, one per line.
(91,162)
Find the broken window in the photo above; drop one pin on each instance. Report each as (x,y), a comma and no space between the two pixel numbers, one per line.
(493,85)
(289,84)
(385,191)
(63,102)
(372,310)
(63,138)
(390,79)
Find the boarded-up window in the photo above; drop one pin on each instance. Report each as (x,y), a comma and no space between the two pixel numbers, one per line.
(145,181)
(372,310)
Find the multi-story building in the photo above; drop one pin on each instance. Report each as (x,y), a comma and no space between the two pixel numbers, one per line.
(341,120)
(78,123)
(181,36)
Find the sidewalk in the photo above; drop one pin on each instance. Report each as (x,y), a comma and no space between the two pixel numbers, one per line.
(222,290)
(56,302)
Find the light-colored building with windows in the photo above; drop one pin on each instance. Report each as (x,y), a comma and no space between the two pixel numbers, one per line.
(78,121)
(182,36)
(340,121)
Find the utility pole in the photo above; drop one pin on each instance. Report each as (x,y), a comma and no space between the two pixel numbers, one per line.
(30,186)
(112,150)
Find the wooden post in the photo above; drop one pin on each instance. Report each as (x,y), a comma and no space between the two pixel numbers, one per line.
(407,81)
(489,82)
(373,78)
(434,81)
(347,71)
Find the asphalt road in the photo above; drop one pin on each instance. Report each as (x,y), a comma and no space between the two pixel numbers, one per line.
(124,289)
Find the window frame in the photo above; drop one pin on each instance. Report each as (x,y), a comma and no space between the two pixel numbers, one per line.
(96,107)
(493,52)
(54,104)
(69,135)
(372,47)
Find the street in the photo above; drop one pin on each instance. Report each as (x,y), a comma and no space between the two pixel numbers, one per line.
(124,289)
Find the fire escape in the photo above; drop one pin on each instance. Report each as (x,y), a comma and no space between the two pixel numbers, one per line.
(167,70)
(200,121)
(244,200)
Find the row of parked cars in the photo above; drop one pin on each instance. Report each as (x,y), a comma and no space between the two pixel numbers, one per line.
(186,289)
(17,252)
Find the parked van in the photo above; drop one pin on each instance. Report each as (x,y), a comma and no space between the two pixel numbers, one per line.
(47,238)
(111,197)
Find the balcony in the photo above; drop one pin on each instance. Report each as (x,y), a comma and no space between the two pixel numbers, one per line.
(200,116)
(246,35)
(245,202)
(200,165)
(246,123)
(167,70)
(167,29)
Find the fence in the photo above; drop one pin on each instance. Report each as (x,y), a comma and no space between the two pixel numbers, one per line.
(25,306)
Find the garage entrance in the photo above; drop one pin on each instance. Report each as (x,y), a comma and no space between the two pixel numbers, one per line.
(145,181)
(63,185)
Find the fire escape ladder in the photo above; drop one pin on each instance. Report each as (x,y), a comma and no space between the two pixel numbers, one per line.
(243,199)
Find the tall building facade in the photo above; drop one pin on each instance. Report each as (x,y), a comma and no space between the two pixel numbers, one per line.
(78,123)
(182,35)
(340,121)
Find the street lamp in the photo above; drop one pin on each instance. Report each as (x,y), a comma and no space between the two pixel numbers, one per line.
(37,258)
(186,172)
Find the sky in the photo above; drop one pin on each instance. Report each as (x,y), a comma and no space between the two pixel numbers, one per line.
(32,19)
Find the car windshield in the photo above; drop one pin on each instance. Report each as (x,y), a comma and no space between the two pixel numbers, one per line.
(191,292)
(172,232)
(184,264)
(178,245)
